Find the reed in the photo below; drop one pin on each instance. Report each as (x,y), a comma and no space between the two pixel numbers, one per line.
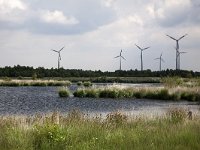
(34,83)
(76,131)
(64,92)
(190,94)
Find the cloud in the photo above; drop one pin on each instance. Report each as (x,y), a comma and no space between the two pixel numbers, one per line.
(12,10)
(58,17)
(169,13)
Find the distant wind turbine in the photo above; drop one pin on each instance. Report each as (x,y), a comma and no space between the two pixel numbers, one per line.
(59,56)
(142,49)
(177,49)
(120,57)
(179,58)
(161,60)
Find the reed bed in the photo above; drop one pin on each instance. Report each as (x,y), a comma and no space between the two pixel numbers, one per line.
(75,131)
(178,93)
(34,83)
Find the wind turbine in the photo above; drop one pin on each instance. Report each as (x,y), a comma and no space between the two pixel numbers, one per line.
(161,60)
(177,49)
(59,56)
(142,49)
(179,58)
(120,57)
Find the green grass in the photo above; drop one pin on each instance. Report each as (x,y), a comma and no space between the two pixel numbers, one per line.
(64,92)
(190,94)
(117,131)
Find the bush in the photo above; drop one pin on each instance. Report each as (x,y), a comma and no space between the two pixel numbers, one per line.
(79,83)
(63,92)
(80,93)
(92,93)
(87,84)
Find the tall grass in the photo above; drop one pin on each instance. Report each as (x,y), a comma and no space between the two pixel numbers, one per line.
(64,92)
(34,83)
(117,131)
(191,94)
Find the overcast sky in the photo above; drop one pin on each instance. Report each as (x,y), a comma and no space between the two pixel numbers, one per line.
(94,31)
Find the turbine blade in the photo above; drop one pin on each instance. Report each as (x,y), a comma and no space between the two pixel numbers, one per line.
(171,37)
(61,49)
(123,57)
(54,50)
(138,47)
(156,58)
(145,48)
(182,37)
(162,60)
(182,52)
(116,56)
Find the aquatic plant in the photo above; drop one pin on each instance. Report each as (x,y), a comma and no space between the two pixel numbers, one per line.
(87,83)
(64,92)
(147,93)
(79,83)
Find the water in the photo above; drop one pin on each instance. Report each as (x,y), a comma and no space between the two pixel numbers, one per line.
(32,100)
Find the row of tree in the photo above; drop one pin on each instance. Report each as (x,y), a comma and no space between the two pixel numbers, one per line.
(40,72)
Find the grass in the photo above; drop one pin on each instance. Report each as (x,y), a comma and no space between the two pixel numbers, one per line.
(34,83)
(190,94)
(116,131)
(64,92)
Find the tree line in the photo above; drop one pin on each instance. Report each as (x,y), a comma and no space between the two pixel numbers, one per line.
(41,72)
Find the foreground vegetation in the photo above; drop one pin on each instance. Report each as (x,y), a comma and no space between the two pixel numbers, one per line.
(116,131)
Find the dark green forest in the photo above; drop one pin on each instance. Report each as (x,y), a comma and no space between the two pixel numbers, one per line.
(40,72)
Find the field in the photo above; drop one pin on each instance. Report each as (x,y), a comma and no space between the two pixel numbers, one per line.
(76,131)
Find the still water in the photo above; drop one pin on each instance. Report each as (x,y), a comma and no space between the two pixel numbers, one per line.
(32,100)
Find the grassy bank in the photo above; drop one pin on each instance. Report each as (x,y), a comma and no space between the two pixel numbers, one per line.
(34,83)
(179,93)
(117,131)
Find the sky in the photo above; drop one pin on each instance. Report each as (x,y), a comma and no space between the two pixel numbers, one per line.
(94,32)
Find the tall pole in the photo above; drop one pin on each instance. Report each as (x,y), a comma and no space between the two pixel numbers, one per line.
(141,62)
(120,66)
(160,63)
(58,62)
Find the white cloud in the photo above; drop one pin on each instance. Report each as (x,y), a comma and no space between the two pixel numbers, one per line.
(58,17)
(12,10)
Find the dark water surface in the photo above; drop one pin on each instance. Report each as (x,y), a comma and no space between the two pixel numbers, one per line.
(31,100)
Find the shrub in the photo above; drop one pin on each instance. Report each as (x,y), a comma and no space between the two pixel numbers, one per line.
(80,93)
(79,83)
(87,84)
(92,93)
(63,92)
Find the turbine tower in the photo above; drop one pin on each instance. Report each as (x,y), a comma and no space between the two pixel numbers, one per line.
(179,58)
(161,60)
(59,56)
(177,50)
(141,49)
(120,58)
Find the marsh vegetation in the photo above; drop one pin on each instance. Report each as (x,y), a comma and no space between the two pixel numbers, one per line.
(76,131)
